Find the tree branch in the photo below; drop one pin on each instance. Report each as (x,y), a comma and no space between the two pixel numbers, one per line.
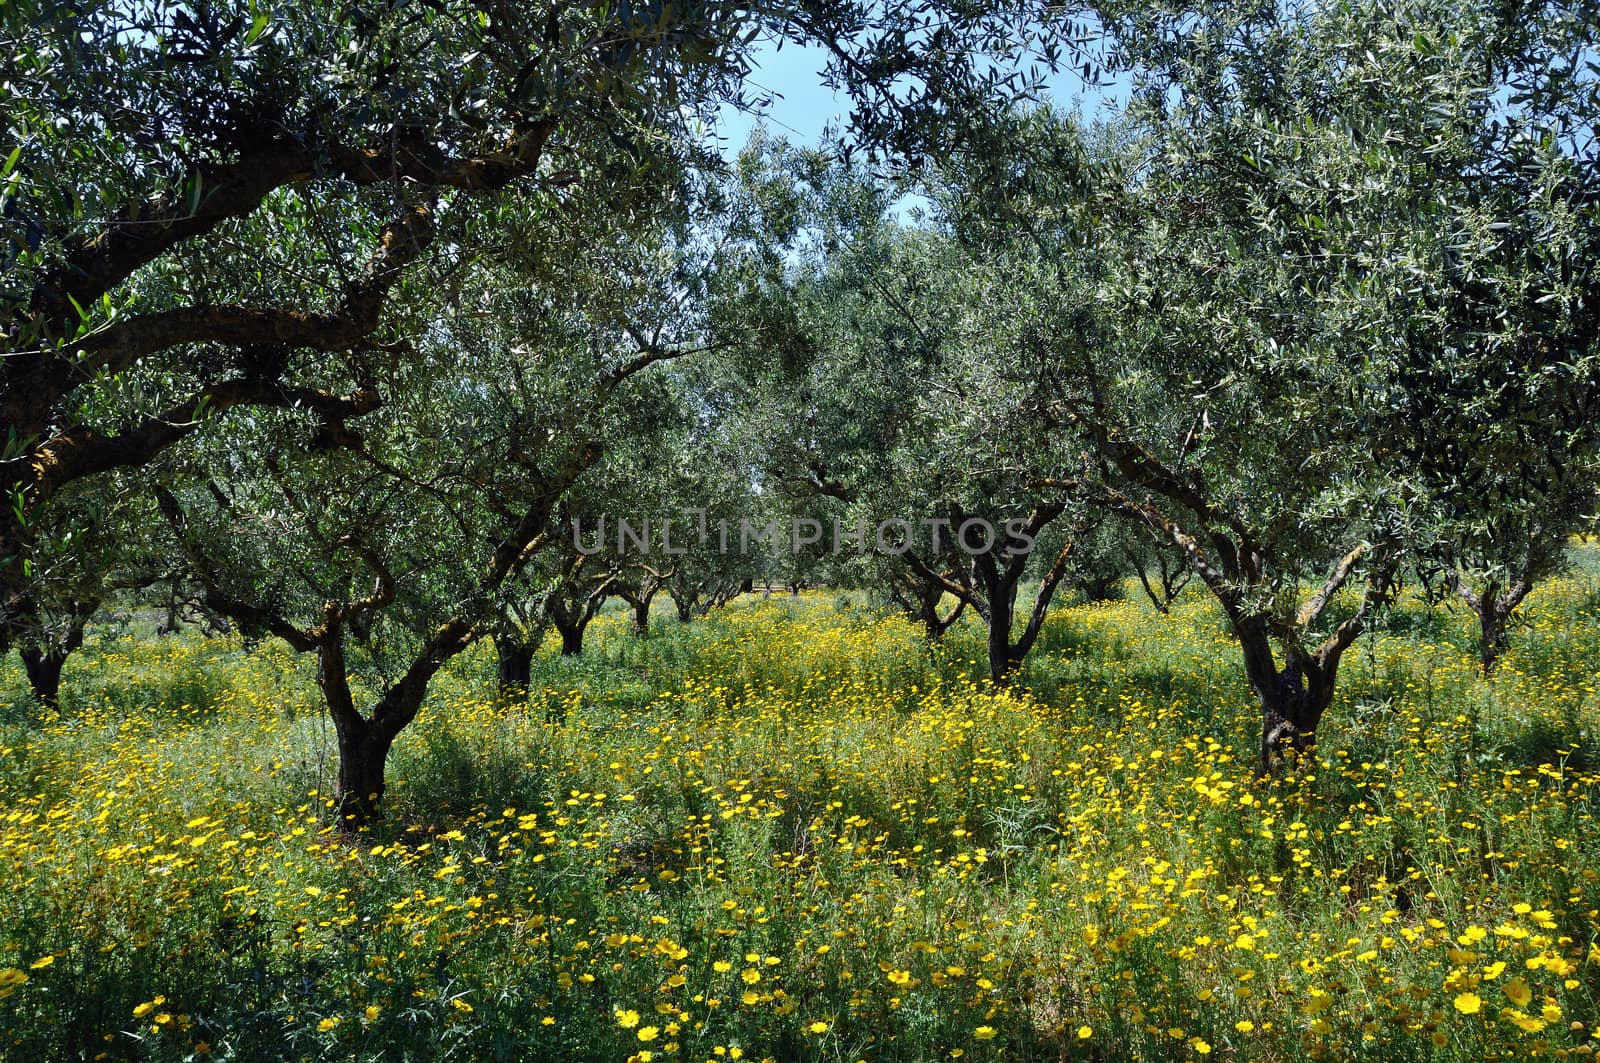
(209,195)
(302,640)
(1380,586)
(402,240)
(961,591)
(85,451)
(1041,603)
(1149,472)
(1312,609)
(97,262)
(1169,529)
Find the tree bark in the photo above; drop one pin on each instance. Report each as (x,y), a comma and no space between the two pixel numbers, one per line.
(1000,580)
(1002,662)
(514,667)
(44,663)
(685,607)
(364,741)
(1293,698)
(44,673)
(363,752)
(640,604)
(571,635)
(1291,710)
(1493,639)
(923,606)
(1493,609)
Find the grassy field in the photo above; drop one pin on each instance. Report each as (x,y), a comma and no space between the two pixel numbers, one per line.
(793,831)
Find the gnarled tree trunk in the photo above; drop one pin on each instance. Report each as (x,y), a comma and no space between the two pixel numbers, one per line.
(919,598)
(1493,608)
(1293,698)
(1493,638)
(991,589)
(684,604)
(572,640)
(44,673)
(363,753)
(1232,561)
(574,603)
(639,603)
(43,661)
(364,741)
(1001,614)
(513,666)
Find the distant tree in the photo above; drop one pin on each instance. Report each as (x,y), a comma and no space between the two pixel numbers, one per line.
(1502,375)
(915,407)
(576,600)
(1163,572)
(923,597)
(102,545)
(518,634)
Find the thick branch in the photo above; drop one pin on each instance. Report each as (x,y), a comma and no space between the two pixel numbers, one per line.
(1041,604)
(1380,586)
(1042,514)
(516,549)
(1514,594)
(401,242)
(400,703)
(333,677)
(212,194)
(1149,472)
(1169,529)
(962,591)
(142,232)
(1312,609)
(415,159)
(85,451)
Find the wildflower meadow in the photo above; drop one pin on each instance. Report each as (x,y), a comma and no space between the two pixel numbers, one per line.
(796,829)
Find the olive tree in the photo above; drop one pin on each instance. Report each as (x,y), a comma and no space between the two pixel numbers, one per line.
(395,544)
(913,411)
(1290,237)
(210,207)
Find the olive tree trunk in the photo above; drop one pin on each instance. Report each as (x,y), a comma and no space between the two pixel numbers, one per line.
(991,589)
(44,660)
(684,605)
(1292,698)
(44,673)
(1493,608)
(513,666)
(364,741)
(363,754)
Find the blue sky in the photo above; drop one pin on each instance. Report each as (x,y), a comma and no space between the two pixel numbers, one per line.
(802,107)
